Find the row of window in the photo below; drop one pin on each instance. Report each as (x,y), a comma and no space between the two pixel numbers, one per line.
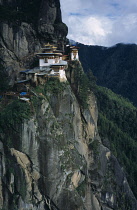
(56,59)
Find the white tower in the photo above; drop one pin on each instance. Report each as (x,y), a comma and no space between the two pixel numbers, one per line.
(74,53)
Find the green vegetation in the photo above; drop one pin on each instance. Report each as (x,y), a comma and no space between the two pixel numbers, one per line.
(36,102)
(82,87)
(121,101)
(3,79)
(114,67)
(117,125)
(13,114)
(81,189)
(54,86)
(39,89)
(23,187)
(82,84)
(94,146)
(11,117)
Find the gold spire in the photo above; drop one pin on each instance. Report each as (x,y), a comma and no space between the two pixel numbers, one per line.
(47,45)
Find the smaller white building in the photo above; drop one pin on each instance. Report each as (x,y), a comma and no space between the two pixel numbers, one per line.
(60,68)
(74,53)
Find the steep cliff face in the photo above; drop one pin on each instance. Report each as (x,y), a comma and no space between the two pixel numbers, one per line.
(55,158)
(25,27)
(50,156)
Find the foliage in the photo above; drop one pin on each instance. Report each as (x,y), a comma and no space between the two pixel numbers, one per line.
(36,102)
(82,188)
(53,85)
(115,67)
(118,110)
(81,83)
(92,80)
(94,145)
(3,79)
(13,114)
(39,89)
(118,122)
(110,95)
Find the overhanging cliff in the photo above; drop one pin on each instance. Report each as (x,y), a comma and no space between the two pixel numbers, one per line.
(25,27)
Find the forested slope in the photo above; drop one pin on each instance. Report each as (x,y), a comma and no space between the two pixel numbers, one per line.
(117,125)
(115,67)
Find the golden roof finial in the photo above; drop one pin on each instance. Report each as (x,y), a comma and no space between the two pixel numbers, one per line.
(48,44)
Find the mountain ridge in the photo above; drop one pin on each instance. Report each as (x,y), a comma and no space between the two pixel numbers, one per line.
(114,67)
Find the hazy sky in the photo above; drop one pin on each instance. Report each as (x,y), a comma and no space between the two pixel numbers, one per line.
(101,22)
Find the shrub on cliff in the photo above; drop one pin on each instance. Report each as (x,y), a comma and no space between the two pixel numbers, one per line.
(81,83)
(13,114)
(3,79)
(53,85)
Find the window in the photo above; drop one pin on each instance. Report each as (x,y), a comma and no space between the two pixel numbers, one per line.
(46,60)
(56,60)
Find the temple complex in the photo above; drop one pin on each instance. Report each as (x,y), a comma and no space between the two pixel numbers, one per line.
(52,63)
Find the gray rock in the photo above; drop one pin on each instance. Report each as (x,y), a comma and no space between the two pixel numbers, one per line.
(21,38)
